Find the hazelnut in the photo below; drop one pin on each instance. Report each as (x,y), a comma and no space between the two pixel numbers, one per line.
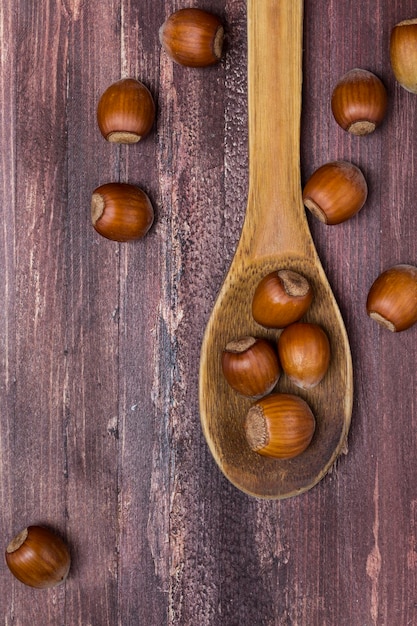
(359,102)
(250,365)
(304,353)
(280,425)
(392,299)
(38,558)
(403,54)
(121,212)
(126,111)
(281,298)
(193,37)
(335,192)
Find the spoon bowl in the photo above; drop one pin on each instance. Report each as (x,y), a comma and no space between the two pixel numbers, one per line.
(275,236)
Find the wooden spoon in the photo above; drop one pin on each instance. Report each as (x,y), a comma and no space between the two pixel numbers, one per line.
(275,235)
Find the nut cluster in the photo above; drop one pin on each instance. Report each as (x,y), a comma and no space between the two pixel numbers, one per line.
(279,425)
(338,190)
(282,425)
(334,193)
(126,113)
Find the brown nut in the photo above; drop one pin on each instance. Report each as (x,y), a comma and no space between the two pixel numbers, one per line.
(121,212)
(392,299)
(403,54)
(359,102)
(250,366)
(279,426)
(281,298)
(38,558)
(335,192)
(193,37)
(304,352)
(126,111)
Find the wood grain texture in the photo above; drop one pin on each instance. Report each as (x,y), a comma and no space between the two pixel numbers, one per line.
(99,343)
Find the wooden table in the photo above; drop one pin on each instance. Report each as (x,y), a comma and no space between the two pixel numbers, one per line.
(99,343)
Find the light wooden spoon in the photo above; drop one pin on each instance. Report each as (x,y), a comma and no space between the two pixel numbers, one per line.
(275,235)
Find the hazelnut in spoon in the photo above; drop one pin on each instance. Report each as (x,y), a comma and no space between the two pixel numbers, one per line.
(275,236)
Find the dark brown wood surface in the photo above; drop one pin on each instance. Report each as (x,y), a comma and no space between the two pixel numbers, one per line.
(100,436)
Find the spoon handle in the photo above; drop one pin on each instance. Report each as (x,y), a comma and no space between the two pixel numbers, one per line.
(275,218)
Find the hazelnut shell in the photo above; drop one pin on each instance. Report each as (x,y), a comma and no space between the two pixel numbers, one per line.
(121,212)
(126,111)
(250,366)
(281,298)
(280,426)
(335,192)
(392,299)
(304,353)
(359,102)
(403,54)
(193,37)
(38,558)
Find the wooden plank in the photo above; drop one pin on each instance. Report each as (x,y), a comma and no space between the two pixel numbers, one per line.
(92,300)
(7,282)
(38,237)
(146,353)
